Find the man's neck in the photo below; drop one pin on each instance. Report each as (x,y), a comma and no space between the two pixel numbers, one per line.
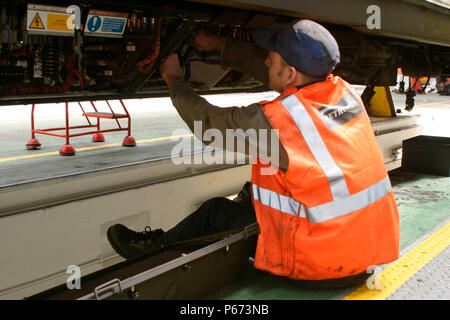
(301,85)
(309,83)
(302,81)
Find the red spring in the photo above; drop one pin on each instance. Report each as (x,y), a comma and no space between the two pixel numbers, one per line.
(146,64)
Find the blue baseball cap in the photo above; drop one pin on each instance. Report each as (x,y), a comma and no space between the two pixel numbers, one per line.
(304,44)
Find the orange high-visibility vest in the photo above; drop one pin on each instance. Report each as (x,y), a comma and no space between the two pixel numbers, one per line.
(332,214)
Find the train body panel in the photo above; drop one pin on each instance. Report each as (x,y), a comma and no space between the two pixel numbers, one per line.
(114,48)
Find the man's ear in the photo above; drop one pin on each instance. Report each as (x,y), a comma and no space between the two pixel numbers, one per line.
(292,74)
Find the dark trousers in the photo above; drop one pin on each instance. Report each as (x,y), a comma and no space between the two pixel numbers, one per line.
(213,216)
(221,214)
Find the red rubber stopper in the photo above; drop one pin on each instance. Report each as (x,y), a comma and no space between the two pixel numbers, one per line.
(33,144)
(129,142)
(98,137)
(67,150)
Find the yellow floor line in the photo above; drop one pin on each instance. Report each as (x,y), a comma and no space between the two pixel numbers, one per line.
(92,148)
(431,103)
(30,156)
(398,272)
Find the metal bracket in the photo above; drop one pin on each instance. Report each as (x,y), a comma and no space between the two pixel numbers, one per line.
(397,153)
(110,288)
(409,103)
(249,228)
(107,286)
(367,95)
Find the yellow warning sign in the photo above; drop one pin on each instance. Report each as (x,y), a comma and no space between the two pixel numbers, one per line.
(37,22)
(49,20)
(58,22)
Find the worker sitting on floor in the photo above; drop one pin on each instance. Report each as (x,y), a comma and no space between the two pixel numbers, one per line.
(327,211)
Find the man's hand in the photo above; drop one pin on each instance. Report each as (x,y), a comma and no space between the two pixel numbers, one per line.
(207,41)
(171,70)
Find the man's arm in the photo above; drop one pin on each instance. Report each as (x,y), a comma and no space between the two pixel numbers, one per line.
(192,107)
(250,119)
(247,58)
(242,56)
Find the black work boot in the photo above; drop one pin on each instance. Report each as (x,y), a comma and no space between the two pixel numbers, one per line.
(128,243)
(244,197)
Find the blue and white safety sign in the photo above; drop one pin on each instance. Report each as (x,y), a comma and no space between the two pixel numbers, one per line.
(105,24)
(94,23)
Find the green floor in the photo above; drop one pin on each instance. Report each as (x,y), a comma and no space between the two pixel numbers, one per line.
(423,202)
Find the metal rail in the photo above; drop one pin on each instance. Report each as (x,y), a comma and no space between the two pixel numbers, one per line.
(116,286)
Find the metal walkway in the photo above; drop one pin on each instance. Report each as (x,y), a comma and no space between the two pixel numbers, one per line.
(431,282)
(421,272)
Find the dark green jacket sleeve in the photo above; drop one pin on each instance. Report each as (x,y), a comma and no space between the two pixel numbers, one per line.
(250,119)
(247,58)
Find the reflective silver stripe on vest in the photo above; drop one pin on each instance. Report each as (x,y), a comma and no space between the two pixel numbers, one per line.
(318,148)
(340,207)
(276,201)
(326,211)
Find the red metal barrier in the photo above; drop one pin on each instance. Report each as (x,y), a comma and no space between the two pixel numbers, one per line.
(67,149)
